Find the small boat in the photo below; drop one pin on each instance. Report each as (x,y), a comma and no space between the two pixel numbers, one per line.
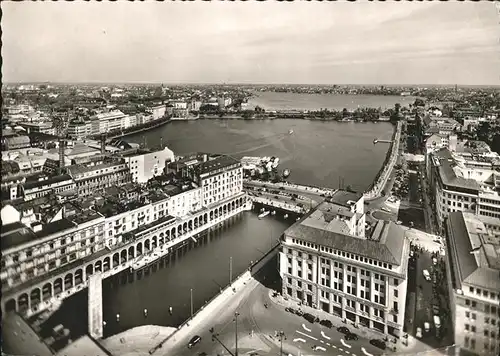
(145,261)
(286,173)
(264,214)
(290,132)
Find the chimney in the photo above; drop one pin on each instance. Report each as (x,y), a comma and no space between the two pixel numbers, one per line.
(103,143)
(61,155)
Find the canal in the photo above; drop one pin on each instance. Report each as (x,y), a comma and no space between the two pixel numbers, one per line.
(317,153)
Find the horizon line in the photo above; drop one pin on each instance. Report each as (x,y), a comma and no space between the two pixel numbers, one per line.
(248,84)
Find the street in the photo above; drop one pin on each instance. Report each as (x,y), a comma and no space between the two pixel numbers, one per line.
(257,327)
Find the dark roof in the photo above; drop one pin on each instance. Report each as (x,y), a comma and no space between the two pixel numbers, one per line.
(217,163)
(16,234)
(341,197)
(388,249)
(447,174)
(48,181)
(465,264)
(55,227)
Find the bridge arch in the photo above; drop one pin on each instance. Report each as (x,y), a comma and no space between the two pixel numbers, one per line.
(11,305)
(116,259)
(106,264)
(98,266)
(123,256)
(89,270)
(35,298)
(68,281)
(58,286)
(23,302)
(47,291)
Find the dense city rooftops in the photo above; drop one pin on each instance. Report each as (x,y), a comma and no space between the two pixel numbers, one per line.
(386,243)
(475,252)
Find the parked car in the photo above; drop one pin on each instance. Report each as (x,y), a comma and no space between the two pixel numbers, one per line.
(327,323)
(427,327)
(378,343)
(310,318)
(427,275)
(195,339)
(351,336)
(418,335)
(343,330)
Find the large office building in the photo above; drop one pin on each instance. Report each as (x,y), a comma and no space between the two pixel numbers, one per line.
(474,282)
(219,176)
(466,181)
(328,263)
(146,164)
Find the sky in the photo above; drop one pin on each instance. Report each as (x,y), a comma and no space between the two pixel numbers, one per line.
(252,42)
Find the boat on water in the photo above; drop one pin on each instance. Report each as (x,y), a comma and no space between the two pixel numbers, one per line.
(290,132)
(286,173)
(145,261)
(264,214)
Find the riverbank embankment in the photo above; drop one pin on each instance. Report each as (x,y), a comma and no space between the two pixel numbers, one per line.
(385,171)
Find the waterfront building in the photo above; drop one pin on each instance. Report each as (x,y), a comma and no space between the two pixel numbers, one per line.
(48,260)
(363,280)
(219,176)
(145,164)
(473,271)
(90,179)
(109,121)
(158,111)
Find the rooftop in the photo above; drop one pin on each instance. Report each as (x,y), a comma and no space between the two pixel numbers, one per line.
(216,163)
(47,180)
(345,198)
(385,245)
(476,252)
(448,175)
(16,234)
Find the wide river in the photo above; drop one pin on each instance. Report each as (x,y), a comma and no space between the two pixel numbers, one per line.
(293,101)
(317,153)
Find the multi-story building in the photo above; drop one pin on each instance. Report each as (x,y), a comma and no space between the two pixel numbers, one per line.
(16,142)
(219,176)
(465,182)
(44,185)
(109,121)
(90,179)
(158,111)
(43,262)
(323,263)
(79,129)
(473,271)
(146,164)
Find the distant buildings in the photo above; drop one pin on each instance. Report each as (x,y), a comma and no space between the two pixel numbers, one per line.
(327,262)
(474,282)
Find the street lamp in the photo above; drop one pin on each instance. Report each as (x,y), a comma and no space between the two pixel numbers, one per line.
(191,292)
(282,336)
(236,314)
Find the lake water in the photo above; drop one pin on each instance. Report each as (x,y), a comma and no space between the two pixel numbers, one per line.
(293,101)
(317,153)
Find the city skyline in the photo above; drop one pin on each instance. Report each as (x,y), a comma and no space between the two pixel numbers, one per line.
(349,43)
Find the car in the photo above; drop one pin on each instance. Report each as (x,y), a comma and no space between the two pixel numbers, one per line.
(378,343)
(310,318)
(299,312)
(327,323)
(434,261)
(435,309)
(343,330)
(386,209)
(418,335)
(290,310)
(399,222)
(350,336)
(427,327)
(194,340)
(427,275)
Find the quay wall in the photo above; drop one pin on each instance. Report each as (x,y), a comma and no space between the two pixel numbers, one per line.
(68,280)
(385,170)
(213,304)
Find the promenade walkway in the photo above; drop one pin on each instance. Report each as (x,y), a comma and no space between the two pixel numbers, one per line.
(381,183)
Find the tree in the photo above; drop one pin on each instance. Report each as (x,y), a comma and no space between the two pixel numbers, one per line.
(495,144)
(418,102)
(483,131)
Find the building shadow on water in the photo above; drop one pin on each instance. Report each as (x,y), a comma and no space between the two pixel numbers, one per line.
(269,275)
